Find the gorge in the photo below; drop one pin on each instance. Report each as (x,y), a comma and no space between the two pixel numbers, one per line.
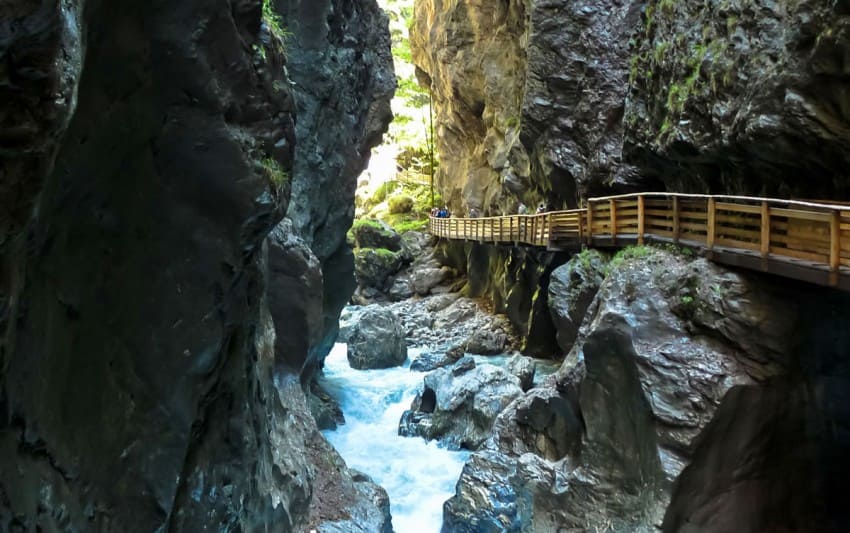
(178,181)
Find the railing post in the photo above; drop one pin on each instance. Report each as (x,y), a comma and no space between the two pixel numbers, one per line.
(710,230)
(581,228)
(589,223)
(764,247)
(640,215)
(676,219)
(834,246)
(613,208)
(501,238)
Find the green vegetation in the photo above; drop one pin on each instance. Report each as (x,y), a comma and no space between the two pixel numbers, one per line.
(274,22)
(403,225)
(630,252)
(400,204)
(404,197)
(274,172)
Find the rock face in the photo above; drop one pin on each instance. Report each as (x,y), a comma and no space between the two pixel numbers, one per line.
(143,385)
(572,288)
(558,101)
(742,97)
(376,340)
(341,67)
(667,344)
(516,281)
(459,404)
(529,97)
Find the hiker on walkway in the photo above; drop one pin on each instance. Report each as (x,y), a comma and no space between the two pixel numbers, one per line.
(522,209)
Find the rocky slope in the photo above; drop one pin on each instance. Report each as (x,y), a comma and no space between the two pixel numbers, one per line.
(666,413)
(143,385)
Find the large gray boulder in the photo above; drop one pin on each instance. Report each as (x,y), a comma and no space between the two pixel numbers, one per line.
(572,288)
(459,404)
(376,340)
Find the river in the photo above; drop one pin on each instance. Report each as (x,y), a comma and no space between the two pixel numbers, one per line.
(419,476)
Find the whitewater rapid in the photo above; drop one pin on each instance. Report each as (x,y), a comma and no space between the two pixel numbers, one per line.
(419,476)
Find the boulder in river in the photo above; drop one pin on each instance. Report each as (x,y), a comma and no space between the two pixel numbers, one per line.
(376,340)
(524,369)
(459,404)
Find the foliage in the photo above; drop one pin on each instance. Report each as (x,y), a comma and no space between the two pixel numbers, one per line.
(401,203)
(274,22)
(274,172)
(405,225)
(628,253)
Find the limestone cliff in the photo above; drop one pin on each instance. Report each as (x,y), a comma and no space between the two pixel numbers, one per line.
(145,157)
(555,101)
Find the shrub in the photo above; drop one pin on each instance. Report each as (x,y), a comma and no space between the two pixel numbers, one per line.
(400,204)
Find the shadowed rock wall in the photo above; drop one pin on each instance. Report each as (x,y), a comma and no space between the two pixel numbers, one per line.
(341,67)
(140,384)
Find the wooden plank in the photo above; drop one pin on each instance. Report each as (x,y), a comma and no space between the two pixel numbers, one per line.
(693,215)
(693,226)
(735,243)
(806,256)
(799,214)
(749,235)
(613,206)
(738,220)
(709,236)
(764,239)
(738,208)
(797,244)
(589,223)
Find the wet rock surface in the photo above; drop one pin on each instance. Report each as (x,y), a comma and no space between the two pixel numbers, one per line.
(459,404)
(376,340)
(755,99)
(340,63)
(515,280)
(659,350)
(572,288)
(158,146)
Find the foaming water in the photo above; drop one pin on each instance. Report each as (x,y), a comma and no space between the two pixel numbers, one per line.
(419,476)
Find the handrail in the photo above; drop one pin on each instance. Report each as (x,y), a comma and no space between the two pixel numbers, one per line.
(799,203)
(804,235)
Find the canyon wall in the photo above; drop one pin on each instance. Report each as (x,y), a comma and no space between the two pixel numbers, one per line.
(553,102)
(148,150)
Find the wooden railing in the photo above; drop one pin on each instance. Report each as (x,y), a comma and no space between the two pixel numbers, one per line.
(787,237)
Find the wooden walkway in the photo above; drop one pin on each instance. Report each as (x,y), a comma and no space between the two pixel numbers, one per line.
(809,241)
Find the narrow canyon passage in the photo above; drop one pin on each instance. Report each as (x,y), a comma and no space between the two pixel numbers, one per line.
(191,233)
